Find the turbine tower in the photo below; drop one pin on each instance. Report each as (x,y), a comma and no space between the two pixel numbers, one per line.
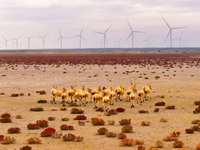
(104,35)
(170,32)
(60,38)
(80,37)
(43,38)
(132,34)
(29,42)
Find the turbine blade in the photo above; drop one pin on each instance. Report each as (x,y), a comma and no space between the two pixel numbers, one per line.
(129,25)
(167,35)
(65,37)
(128,37)
(108,28)
(83,39)
(178,28)
(75,36)
(60,32)
(138,32)
(98,32)
(181,34)
(166,22)
(46,34)
(81,30)
(58,39)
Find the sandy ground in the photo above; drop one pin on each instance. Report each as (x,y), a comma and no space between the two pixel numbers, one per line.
(180,88)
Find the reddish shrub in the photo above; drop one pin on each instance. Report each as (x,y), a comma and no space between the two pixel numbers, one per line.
(120,109)
(48,132)
(80,117)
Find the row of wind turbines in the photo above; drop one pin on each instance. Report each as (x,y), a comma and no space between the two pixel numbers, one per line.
(131,35)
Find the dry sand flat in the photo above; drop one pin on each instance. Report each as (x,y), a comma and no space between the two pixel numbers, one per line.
(180,87)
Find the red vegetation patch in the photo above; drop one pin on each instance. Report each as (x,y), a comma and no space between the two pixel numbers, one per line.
(101,59)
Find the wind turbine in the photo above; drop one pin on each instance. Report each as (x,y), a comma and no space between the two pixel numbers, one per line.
(17,41)
(132,34)
(104,35)
(60,38)
(80,37)
(6,41)
(119,42)
(180,39)
(170,32)
(147,41)
(29,41)
(43,38)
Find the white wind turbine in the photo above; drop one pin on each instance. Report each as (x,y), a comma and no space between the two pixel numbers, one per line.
(132,34)
(29,41)
(80,37)
(170,32)
(6,41)
(104,35)
(17,41)
(180,39)
(119,42)
(43,39)
(147,41)
(60,38)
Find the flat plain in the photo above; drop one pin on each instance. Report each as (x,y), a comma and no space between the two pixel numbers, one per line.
(178,85)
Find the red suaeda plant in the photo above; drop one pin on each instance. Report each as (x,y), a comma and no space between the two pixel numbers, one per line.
(97,121)
(5,115)
(121,135)
(79,138)
(175,134)
(127,129)
(159,144)
(197,110)
(120,109)
(198,146)
(126,142)
(110,134)
(189,130)
(76,111)
(143,111)
(125,122)
(32,126)
(25,148)
(160,104)
(14,130)
(177,144)
(170,138)
(1,137)
(80,117)
(66,127)
(33,140)
(42,123)
(5,120)
(141,147)
(170,107)
(145,123)
(102,131)
(69,137)
(47,132)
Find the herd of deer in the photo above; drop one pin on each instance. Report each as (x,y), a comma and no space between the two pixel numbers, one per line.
(101,95)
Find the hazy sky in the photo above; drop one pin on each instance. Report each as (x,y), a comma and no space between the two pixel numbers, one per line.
(27,18)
